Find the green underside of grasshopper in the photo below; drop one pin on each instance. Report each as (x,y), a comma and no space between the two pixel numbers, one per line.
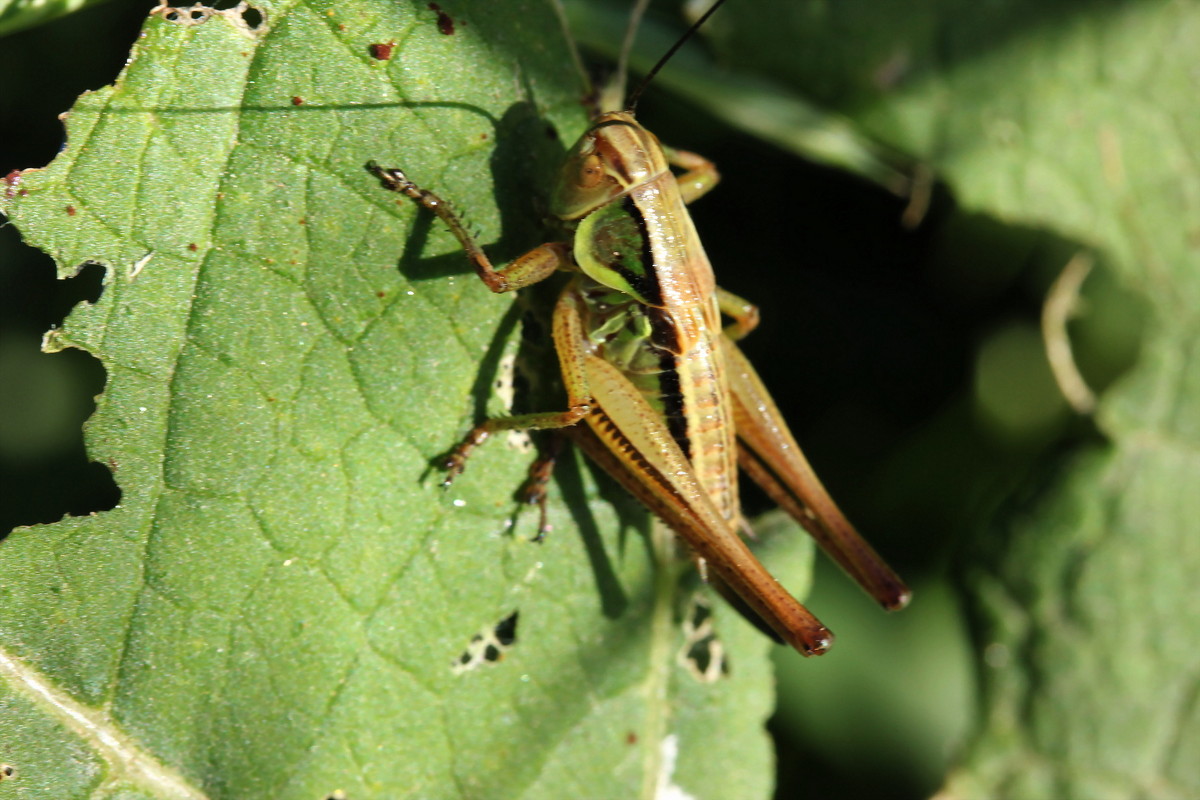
(658,393)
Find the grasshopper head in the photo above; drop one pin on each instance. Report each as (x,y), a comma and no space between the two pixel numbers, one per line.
(615,155)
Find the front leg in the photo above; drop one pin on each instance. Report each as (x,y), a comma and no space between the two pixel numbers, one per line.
(699,177)
(536,265)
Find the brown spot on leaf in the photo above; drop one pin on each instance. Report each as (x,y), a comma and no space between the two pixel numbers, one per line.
(11,180)
(445,22)
(382,51)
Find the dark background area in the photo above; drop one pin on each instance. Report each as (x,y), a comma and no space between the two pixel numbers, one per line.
(44,399)
(871,342)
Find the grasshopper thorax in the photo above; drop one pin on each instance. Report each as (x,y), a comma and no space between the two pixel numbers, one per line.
(614,156)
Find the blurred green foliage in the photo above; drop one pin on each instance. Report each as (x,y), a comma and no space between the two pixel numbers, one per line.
(909,358)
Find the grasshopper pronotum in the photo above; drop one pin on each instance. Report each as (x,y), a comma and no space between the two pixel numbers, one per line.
(658,393)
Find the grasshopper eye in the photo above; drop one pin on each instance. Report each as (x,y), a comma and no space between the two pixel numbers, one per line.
(591,172)
(584,183)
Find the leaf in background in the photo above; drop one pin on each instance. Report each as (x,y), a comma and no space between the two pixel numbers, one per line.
(283,605)
(16,15)
(1076,120)
(755,104)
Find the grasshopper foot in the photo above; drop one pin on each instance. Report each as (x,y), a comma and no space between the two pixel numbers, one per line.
(534,492)
(536,495)
(456,460)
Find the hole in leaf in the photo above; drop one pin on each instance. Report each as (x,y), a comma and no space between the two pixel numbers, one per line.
(252,17)
(702,653)
(193,15)
(7,771)
(700,614)
(506,630)
(488,646)
(197,14)
(44,468)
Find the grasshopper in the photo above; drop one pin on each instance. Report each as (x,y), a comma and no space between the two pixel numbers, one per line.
(659,395)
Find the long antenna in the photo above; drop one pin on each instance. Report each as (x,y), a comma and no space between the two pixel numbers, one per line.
(631,105)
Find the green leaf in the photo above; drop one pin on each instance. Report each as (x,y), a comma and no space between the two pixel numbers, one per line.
(17,15)
(284,604)
(1073,121)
